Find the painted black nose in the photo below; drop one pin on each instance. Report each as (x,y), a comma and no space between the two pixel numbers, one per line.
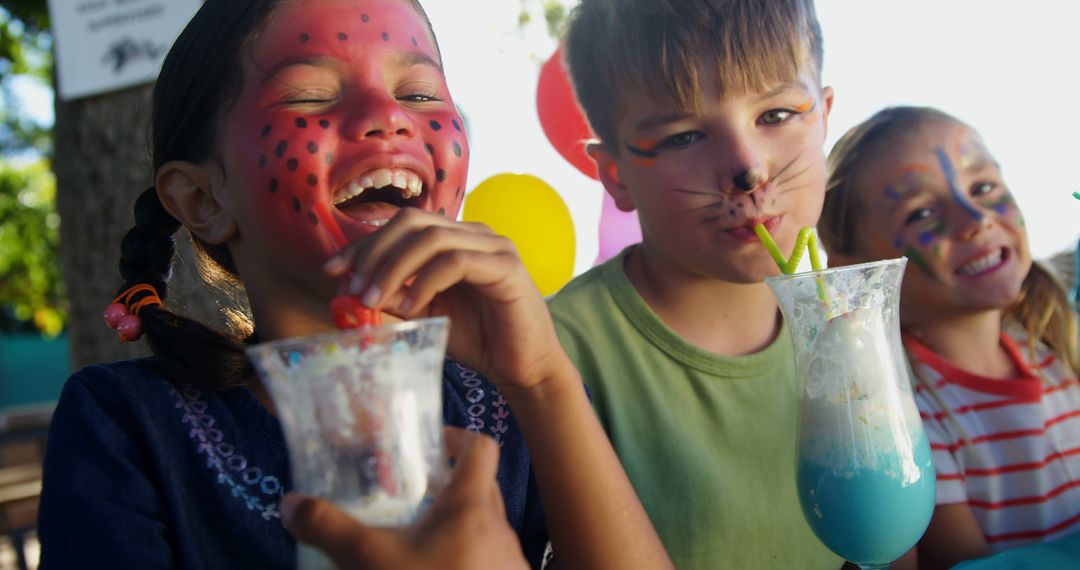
(747,180)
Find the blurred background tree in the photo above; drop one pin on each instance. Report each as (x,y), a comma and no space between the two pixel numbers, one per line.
(31,291)
(60,231)
(554,14)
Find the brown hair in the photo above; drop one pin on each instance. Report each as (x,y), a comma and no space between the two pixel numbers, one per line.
(658,47)
(1043,307)
(199,81)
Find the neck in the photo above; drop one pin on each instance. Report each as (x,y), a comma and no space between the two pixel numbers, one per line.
(971,342)
(731,319)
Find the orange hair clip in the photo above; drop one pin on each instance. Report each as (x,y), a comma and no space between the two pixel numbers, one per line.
(123,313)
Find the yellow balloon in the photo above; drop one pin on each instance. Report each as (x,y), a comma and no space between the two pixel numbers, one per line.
(533,215)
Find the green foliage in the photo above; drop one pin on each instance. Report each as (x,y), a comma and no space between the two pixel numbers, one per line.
(25,54)
(30,285)
(31,295)
(554,11)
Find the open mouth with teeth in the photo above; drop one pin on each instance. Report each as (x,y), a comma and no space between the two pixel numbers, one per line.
(382,186)
(984,264)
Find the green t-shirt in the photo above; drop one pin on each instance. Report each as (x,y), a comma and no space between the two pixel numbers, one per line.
(708,441)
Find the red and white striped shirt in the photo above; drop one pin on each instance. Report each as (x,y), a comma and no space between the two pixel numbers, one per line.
(1015,456)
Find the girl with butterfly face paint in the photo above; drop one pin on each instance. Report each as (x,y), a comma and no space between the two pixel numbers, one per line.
(311,147)
(991,335)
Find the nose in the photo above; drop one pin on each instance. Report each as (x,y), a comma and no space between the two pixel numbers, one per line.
(745,169)
(970,219)
(379,115)
(748,179)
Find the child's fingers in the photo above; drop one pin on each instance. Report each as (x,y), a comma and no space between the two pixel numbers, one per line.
(449,269)
(326,527)
(385,273)
(352,256)
(474,475)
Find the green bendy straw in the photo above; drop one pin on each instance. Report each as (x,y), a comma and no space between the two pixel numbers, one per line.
(806,240)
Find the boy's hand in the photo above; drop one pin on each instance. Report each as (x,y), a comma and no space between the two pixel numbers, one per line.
(423,264)
(466,527)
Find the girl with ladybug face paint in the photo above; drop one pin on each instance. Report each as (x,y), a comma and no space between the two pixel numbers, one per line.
(311,148)
(343,120)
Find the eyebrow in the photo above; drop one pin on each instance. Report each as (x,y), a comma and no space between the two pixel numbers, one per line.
(414,58)
(307,61)
(659,119)
(404,59)
(910,169)
(783,88)
(981,162)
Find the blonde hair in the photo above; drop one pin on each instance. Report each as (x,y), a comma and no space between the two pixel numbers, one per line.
(1043,307)
(657,48)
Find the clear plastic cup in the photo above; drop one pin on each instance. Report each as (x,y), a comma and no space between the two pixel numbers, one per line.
(362,414)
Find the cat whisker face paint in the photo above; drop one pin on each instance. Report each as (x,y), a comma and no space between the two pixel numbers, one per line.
(344,119)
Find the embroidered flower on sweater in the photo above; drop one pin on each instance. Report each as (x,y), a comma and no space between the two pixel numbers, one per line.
(260,492)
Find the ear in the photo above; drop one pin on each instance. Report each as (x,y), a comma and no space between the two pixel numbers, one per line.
(608,167)
(827,100)
(184,189)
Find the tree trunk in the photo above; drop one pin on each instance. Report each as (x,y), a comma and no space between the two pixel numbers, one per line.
(102,163)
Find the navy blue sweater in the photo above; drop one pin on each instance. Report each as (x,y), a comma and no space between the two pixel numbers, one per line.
(141,474)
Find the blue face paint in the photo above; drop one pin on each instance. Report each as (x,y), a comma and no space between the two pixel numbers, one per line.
(891,194)
(954,187)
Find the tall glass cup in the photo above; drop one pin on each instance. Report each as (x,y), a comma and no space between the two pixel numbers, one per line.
(865,478)
(362,414)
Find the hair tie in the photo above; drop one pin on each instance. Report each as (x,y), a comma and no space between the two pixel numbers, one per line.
(123,313)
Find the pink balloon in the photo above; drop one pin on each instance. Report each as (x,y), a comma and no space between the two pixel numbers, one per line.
(618,229)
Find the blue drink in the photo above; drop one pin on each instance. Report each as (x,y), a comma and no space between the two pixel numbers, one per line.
(870,514)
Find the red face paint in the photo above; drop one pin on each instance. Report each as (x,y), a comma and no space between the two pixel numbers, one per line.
(344,119)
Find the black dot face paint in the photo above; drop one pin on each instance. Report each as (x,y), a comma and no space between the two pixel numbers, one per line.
(312,180)
(279,150)
(296,203)
(304,38)
(457,127)
(457,149)
(385,37)
(301,122)
(342,36)
(313,218)
(273,185)
(440,175)
(442,211)
(413,40)
(324,123)
(262,161)
(292,164)
(313,147)
(365,18)
(266,130)
(435,125)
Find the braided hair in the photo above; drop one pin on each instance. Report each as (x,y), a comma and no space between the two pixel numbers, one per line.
(199,80)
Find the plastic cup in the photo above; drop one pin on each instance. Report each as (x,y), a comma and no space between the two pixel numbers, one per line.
(362,414)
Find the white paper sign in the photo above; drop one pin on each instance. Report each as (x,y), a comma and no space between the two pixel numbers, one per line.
(104,45)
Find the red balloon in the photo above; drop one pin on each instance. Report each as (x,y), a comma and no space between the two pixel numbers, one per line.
(561,116)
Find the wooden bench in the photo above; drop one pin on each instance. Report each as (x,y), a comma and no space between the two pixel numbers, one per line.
(22,448)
